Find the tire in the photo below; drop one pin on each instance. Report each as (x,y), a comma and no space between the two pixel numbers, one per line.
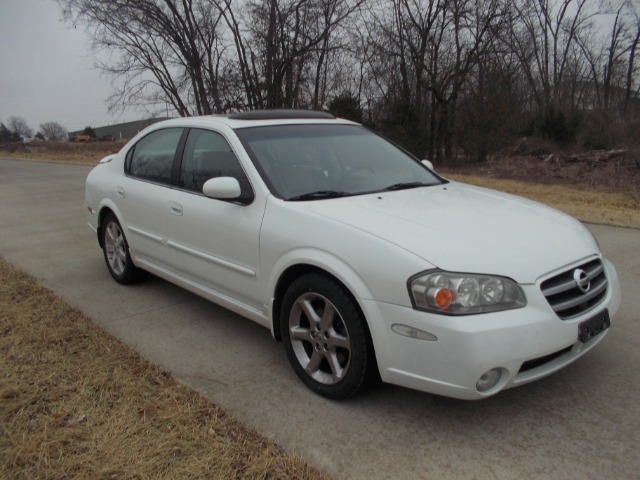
(326,339)
(116,252)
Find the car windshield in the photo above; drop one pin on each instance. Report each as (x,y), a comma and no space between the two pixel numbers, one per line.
(313,162)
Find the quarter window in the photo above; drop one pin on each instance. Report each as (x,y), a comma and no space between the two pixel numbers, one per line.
(152,157)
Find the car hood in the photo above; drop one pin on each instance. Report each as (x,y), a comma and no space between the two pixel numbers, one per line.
(461,228)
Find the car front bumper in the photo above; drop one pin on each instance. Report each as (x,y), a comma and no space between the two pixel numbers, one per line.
(525,344)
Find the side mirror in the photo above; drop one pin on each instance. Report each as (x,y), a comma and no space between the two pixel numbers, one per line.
(222,188)
(428,164)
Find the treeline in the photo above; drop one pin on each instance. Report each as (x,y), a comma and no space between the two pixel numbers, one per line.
(17,130)
(446,78)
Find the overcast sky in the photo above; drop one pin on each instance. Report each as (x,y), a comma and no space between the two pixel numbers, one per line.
(46,70)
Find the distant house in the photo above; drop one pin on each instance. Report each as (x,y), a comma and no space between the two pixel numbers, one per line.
(120,130)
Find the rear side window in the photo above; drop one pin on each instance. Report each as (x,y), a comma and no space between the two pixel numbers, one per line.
(152,157)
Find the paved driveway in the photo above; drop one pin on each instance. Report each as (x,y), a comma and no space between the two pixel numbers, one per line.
(583,422)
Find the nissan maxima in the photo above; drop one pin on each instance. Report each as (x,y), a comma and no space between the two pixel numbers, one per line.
(358,257)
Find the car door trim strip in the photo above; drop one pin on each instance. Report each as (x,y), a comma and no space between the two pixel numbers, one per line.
(209,258)
(145,234)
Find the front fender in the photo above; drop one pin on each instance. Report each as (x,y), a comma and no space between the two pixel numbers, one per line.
(321,260)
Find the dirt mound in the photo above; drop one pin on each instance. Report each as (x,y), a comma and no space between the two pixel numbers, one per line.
(612,170)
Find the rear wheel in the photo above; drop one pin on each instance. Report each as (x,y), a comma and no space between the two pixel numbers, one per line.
(116,252)
(325,338)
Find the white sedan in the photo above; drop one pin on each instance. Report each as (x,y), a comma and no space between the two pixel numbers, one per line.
(365,263)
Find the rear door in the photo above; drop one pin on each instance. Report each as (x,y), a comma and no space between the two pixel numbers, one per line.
(143,193)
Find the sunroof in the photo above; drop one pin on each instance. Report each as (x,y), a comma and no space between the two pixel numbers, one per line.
(280,114)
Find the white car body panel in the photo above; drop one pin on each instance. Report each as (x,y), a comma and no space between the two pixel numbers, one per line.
(141,204)
(461,228)
(235,255)
(216,244)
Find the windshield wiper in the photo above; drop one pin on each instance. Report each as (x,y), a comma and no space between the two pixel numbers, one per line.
(319,195)
(407,185)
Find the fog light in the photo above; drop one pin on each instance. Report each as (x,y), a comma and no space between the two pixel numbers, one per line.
(489,380)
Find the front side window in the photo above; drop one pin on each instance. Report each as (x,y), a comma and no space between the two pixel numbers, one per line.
(152,157)
(207,155)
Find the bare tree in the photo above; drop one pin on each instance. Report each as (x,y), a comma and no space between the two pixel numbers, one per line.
(53,131)
(18,126)
(605,60)
(429,50)
(445,78)
(544,33)
(164,52)
(634,9)
(282,47)
(6,135)
(615,52)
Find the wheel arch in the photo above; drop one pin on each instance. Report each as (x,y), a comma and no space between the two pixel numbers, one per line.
(107,206)
(104,211)
(290,274)
(285,281)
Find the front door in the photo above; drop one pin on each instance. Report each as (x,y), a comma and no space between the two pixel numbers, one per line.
(215,243)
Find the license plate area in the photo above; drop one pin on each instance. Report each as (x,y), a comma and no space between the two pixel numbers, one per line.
(595,325)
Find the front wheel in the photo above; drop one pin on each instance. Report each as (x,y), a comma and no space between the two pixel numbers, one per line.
(326,338)
(116,252)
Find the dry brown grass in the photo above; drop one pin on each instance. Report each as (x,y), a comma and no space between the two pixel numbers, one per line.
(62,152)
(77,403)
(592,185)
(585,204)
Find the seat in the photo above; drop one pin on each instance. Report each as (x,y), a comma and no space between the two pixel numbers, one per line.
(214,164)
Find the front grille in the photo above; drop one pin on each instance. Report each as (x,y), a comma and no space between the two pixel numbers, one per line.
(565,296)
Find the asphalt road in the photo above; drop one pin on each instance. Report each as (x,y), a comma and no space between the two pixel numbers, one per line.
(583,422)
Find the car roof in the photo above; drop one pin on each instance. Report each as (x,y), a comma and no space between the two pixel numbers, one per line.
(278,114)
(258,118)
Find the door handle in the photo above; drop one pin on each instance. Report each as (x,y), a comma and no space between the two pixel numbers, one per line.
(175,208)
(120,192)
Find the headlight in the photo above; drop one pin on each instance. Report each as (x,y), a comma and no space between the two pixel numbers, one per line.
(463,294)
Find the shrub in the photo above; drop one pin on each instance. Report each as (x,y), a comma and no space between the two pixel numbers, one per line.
(555,125)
